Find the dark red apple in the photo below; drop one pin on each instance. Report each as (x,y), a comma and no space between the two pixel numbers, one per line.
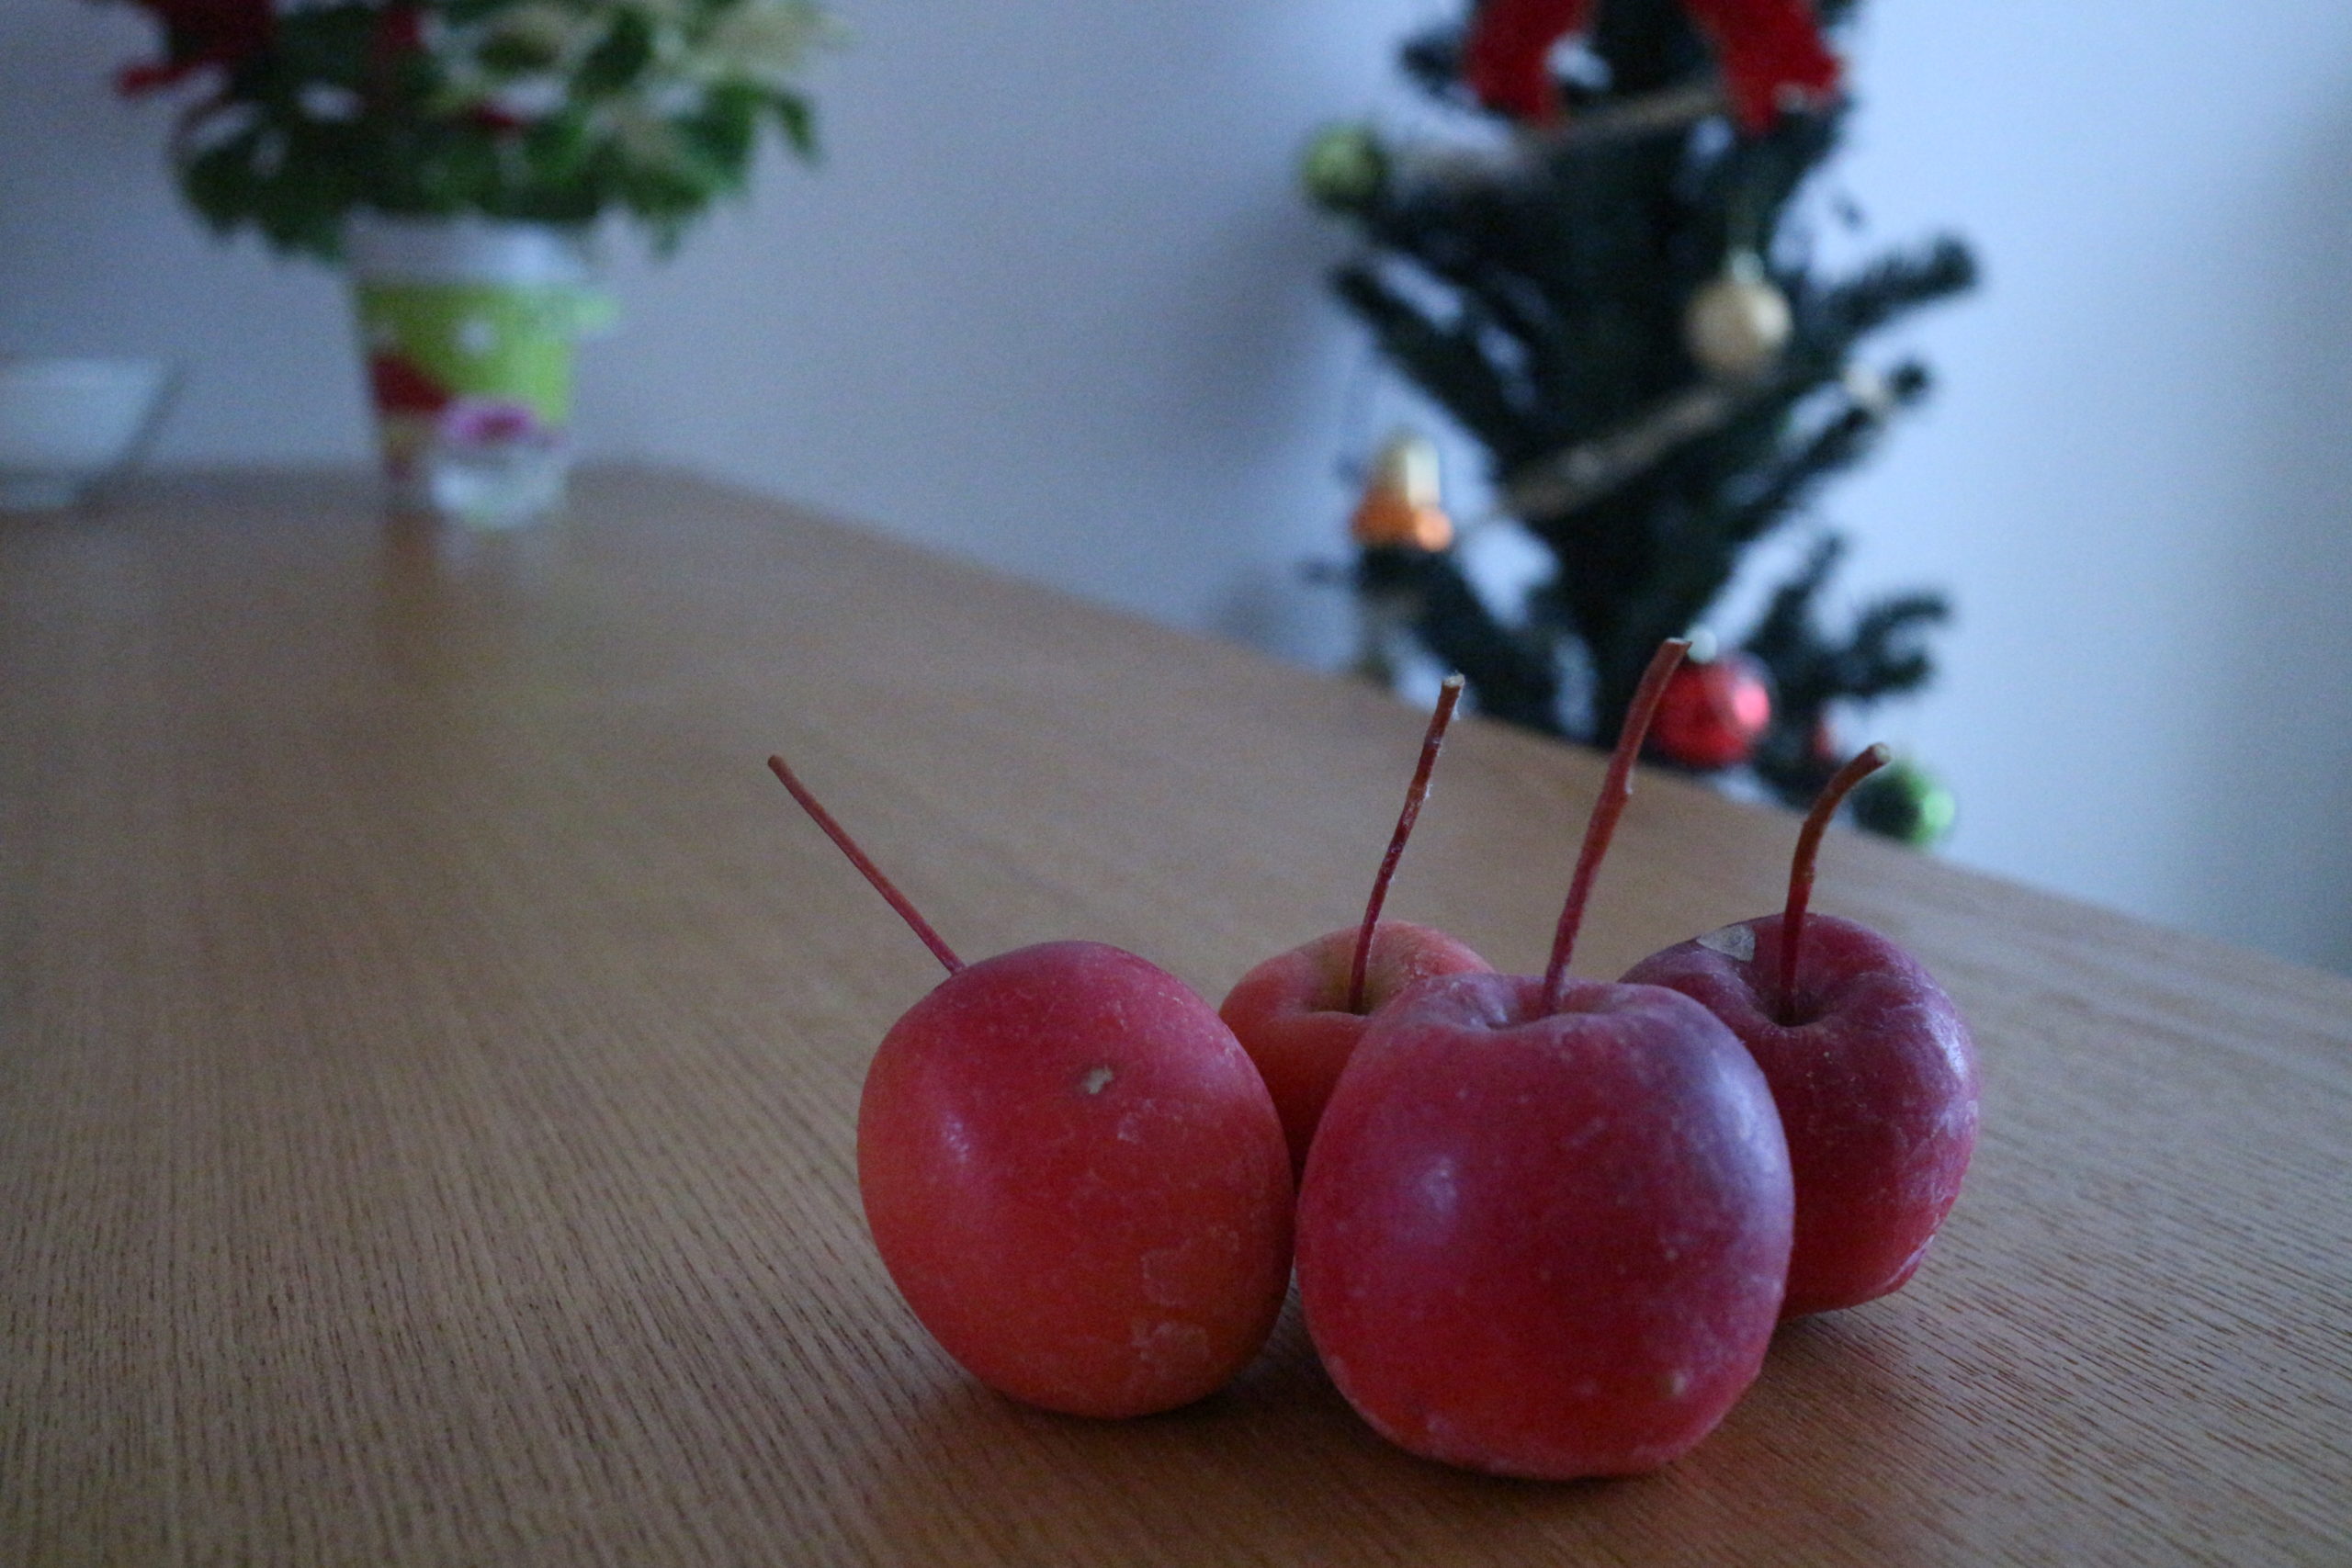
(1868,1062)
(1546,1224)
(1073,1173)
(1545,1243)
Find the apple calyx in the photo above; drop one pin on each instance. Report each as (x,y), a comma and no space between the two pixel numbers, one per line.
(872,873)
(1416,792)
(1865,762)
(1616,789)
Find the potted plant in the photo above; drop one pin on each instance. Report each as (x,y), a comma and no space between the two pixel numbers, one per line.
(456,154)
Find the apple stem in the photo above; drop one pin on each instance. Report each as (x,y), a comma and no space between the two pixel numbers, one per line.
(1616,789)
(1816,822)
(1415,793)
(882,884)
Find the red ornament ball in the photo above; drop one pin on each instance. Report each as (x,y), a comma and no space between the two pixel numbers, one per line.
(1711,715)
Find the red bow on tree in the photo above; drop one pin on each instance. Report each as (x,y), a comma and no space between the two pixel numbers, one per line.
(1770,50)
(198,33)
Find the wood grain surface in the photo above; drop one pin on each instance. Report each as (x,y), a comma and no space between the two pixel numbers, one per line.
(430,1041)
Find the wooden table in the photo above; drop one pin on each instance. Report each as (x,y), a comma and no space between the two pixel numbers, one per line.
(429,1045)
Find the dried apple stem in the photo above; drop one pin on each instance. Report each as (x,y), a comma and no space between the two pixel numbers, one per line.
(1616,789)
(882,884)
(1415,793)
(1816,822)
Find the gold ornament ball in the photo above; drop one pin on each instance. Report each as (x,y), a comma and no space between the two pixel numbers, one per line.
(1739,323)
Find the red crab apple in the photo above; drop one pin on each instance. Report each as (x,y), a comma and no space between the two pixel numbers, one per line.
(1300,1014)
(1870,1065)
(1072,1173)
(1545,1223)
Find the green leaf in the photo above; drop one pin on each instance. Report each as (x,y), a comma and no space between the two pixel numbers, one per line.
(557,151)
(619,58)
(333,45)
(722,136)
(220,182)
(513,54)
(798,123)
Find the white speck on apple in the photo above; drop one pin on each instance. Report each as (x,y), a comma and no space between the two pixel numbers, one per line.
(1732,942)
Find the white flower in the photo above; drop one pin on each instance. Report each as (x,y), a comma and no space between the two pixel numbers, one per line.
(764,39)
(551,31)
(531,97)
(325,101)
(643,136)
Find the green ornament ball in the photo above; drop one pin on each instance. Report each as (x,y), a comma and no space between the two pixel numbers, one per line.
(1904,802)
(1344,168)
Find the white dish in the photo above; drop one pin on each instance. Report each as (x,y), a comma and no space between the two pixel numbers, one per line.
(66,423)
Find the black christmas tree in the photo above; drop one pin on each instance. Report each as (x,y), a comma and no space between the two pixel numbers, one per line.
(1618,300)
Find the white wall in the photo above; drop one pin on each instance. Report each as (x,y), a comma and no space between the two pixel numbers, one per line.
(1053,302)
(2139,477)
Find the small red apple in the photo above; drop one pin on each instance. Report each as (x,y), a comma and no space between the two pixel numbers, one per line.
(1295,1018)
(1072,1172)
(1077,1181)
(1546,1224)
(1870,1065)
(1300,1014)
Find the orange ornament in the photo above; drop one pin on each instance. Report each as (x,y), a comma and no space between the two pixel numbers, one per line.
(1400,508)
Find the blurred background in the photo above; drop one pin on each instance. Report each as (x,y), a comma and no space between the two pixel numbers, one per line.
(1053,301)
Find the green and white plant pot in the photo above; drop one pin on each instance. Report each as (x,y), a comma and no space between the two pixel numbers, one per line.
(469,327)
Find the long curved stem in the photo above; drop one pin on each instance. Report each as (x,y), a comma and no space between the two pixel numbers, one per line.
(1816,822)
(882,884)
(1616,789)
(1415,793)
